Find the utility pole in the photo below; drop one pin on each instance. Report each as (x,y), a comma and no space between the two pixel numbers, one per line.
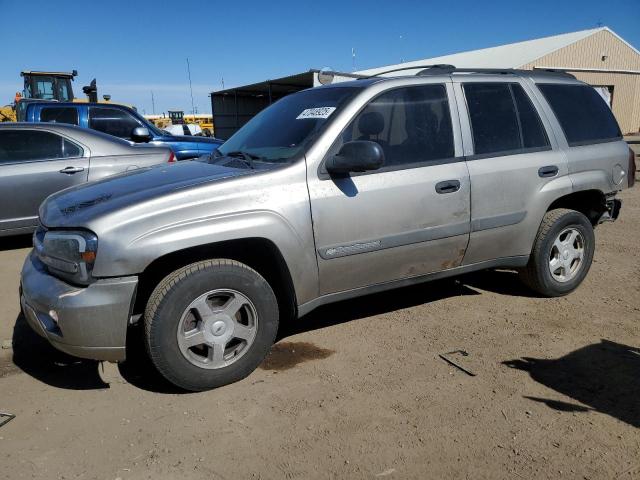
(353,59)
(193,111)
(153,103)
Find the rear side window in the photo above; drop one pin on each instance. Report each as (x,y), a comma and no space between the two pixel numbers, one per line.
(59,115)
(411,124)
(583,114)
(17,146)
(112,121)
(503,119)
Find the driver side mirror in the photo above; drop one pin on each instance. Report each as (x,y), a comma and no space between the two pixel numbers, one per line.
(141,135)
(356,156)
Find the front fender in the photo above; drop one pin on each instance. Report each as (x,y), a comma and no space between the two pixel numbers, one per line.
(296,247)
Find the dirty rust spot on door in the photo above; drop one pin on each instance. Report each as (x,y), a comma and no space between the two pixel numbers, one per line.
(286,355)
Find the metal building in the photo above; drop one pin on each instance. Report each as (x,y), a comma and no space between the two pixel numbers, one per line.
(598,56)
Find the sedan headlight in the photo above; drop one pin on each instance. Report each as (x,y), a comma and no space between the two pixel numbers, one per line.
(67,254)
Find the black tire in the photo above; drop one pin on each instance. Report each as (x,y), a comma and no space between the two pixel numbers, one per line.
(175,293)
(537,274)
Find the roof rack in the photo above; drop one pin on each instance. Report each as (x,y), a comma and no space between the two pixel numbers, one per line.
(445,69)
(439,70)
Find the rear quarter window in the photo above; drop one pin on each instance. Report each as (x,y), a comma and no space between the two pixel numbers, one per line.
(59,115)
(583,115)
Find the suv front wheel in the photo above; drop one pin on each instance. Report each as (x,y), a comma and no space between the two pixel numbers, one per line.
(210,323)
(562,253)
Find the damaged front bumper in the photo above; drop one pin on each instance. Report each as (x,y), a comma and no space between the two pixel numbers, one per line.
(88,322)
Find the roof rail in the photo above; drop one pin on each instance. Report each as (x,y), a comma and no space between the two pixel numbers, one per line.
(440,67)
(448,69)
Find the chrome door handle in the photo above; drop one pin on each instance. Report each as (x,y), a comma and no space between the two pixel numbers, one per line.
(448,186)
(71,170)
(548,171)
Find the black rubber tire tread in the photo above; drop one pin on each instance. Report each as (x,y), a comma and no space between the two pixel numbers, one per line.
(533,274)
(155,303)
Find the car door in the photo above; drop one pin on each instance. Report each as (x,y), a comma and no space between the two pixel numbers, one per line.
(515,166)
(410,217)
(113,121)
(60,114)
(34,163)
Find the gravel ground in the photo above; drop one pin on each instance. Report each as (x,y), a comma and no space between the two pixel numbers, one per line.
(358,390)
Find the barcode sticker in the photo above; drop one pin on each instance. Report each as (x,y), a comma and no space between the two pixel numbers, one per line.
(318,112)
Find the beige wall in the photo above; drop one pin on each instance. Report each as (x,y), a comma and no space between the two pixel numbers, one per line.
(587,53)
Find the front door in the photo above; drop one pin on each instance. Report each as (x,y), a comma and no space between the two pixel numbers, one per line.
(34,164)
(407,219)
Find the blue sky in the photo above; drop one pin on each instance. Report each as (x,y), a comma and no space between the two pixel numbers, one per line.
(133,47)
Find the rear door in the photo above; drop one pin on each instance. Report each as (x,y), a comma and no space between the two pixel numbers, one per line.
(60,114)
(35,163)
(407,219)
(515,165)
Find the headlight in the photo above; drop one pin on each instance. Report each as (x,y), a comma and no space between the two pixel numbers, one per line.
(69,254)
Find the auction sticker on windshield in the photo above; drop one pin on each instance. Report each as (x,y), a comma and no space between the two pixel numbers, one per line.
(318,112)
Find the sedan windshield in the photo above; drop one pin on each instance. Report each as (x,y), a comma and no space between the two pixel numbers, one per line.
(287,127)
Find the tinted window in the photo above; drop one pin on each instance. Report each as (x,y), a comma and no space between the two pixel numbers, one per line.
(533,133)
(33,145)
(113,121)
(59,115)
(412,125)
(503,119)
(583,114)
(494,122)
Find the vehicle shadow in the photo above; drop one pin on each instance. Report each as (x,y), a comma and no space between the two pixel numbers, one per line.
(503,282)
(15,242)
(375,304)
(140,372)
(603,376)
(36,357)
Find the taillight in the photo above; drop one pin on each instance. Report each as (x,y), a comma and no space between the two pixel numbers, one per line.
(632,168)
(172,158)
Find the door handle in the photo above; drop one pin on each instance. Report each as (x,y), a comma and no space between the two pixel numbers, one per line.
(548,171)
(71,170)
(448,186)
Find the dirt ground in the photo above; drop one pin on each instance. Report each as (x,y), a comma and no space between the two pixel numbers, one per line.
(358,390)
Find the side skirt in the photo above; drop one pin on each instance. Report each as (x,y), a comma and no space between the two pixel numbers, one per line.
(507,262)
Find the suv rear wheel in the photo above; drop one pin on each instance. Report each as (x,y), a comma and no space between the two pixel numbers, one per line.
(562,253)
(210,323)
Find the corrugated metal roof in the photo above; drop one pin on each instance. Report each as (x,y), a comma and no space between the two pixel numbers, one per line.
(512,55)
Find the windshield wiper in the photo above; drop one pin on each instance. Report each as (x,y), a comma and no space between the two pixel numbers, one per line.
(246,156)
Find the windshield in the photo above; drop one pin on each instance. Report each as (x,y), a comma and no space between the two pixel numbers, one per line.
(287,127)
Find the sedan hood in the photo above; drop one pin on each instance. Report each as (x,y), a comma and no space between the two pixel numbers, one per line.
(75,206)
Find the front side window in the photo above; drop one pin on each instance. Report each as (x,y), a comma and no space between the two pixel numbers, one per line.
(44,89)
(582,113)
(17,146)
(113,121)
(411,124)
(60,115)
(503,119)
(283,130)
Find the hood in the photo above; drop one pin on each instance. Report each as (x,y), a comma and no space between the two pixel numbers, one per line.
(75,206)
(188,138)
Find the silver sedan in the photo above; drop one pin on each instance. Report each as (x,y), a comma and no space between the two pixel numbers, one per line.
(38,159)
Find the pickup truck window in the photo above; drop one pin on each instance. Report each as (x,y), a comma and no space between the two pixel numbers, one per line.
(287,127)
(23,145)
(113,121)
(411,124)
(503,119)
(583,114)
(59,115)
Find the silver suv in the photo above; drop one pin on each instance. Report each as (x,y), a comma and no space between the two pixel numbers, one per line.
(331,193)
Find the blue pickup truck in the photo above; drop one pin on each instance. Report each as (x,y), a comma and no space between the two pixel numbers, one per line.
(120,121)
